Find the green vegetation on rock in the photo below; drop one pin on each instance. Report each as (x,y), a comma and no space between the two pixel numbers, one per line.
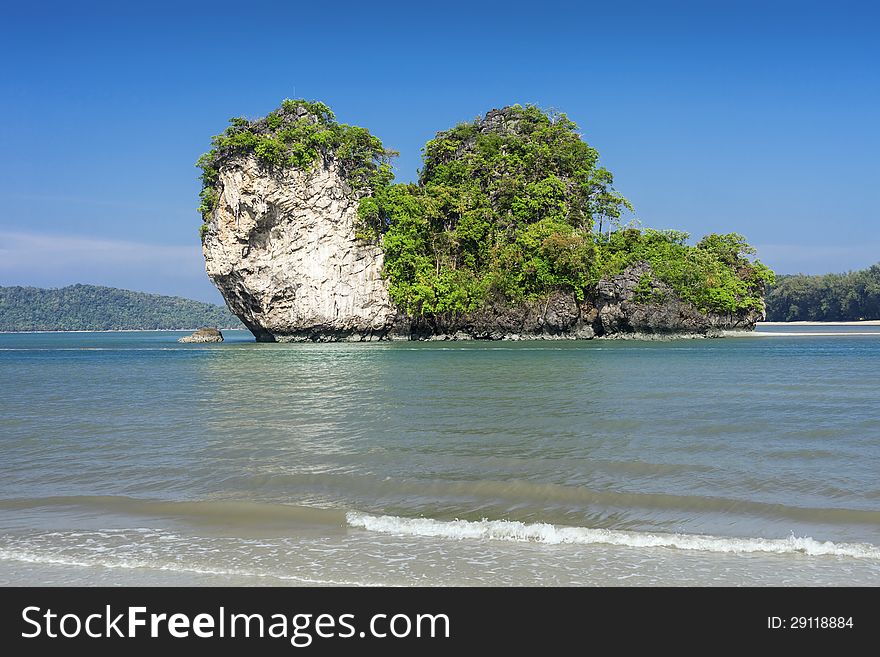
(296,135)
(515,206)
(95,308)
(828,298)
(715,275)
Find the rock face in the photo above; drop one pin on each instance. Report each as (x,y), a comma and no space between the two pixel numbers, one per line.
(204,335)
(281,248)
(558,317)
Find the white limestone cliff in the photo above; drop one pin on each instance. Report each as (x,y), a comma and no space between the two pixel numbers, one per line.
(281,247)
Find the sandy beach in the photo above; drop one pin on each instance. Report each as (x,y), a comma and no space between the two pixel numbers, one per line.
(867,322)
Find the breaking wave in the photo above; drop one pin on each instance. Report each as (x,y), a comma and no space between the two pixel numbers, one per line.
(507,530)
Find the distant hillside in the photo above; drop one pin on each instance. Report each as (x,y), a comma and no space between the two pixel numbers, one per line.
(826,298)
(95,308)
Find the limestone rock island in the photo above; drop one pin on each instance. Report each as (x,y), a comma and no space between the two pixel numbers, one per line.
(513,230)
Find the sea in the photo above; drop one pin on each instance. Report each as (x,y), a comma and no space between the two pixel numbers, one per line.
(131,459)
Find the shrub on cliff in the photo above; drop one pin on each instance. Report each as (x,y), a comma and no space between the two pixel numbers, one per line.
(298,134)
(715,275)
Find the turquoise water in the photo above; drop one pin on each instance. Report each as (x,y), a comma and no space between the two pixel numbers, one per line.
(130,458)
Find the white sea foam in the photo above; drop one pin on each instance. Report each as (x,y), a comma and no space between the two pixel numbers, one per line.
(507,530)
(28,556)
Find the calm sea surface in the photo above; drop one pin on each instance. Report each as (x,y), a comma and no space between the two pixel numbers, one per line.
(129,458)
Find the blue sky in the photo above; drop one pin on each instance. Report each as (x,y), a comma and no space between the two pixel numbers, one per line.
(759,118)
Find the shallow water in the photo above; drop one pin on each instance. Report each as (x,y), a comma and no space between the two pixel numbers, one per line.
(130,458)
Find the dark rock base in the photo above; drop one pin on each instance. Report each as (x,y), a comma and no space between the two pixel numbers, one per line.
(619,309)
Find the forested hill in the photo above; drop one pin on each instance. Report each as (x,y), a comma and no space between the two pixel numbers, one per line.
(95,308)
(827,298)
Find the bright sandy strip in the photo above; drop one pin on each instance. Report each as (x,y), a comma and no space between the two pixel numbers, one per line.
(867,322)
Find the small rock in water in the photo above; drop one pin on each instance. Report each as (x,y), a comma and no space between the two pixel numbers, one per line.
(204,335)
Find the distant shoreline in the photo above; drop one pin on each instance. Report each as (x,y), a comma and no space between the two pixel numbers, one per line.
(864,322)
(183,330)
